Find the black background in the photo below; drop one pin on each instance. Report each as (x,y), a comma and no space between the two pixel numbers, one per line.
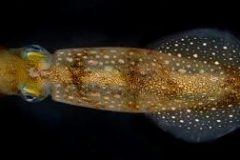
(52,130)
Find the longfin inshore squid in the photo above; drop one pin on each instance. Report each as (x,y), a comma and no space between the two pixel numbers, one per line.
(187,83)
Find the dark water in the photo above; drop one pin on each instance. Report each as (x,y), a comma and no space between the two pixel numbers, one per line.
(52,130)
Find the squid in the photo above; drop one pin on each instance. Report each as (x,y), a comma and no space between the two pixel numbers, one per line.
(187,83)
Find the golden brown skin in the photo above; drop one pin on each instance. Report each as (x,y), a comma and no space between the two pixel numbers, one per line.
(188,84)
(136,80)
(119,79)
(16,72)
(13,71)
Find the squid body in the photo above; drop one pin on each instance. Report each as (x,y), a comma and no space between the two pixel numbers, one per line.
(188,83)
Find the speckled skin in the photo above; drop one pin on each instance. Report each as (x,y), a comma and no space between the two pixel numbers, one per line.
(189,83)
(121,79)
(134,80)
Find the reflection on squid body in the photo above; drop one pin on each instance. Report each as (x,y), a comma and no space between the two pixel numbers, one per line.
(187,83)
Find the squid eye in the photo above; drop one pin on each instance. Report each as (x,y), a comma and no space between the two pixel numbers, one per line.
(34,50)
(33,93)
(37,55)
(29,98)
(35,47)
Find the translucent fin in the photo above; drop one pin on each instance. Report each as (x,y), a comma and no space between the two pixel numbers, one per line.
(202,44)
(198,125)
(211,117)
